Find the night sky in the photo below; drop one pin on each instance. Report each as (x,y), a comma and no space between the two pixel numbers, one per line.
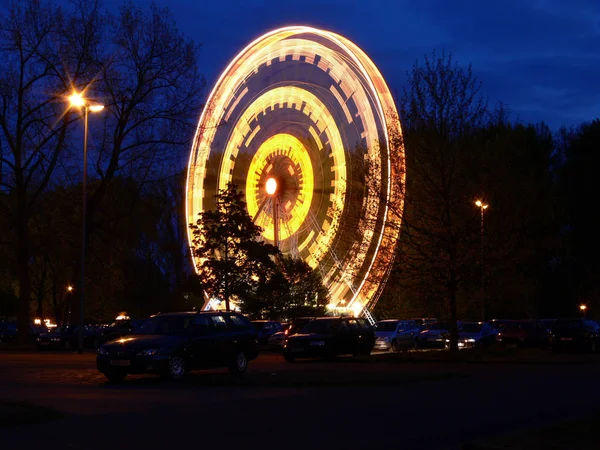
(541,58)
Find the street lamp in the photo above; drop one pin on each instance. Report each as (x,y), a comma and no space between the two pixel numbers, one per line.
(583,309)
(76,100)
(482,206)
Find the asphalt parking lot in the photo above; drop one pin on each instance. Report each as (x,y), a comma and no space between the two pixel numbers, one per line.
(350,403)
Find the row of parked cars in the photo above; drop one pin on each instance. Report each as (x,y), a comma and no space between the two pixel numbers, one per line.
(66,337)
(557,334)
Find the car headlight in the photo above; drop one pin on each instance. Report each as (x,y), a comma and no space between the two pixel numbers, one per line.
(102,351)
(470,340)
(148,352)
(317,343)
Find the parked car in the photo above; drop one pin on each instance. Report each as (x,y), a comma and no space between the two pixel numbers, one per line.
(497,323)
(266,329)
(327,337)
(66,337)
(424,321)
(475,335)
(8,333)
(433,336)
(574,334)
(395,335)
(277,340)
(172,344)
(523,333)
(119,328)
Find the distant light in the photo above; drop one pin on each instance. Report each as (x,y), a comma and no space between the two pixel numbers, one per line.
(583,307)
(271,186)
(481,204)
(70,288)
(96,108)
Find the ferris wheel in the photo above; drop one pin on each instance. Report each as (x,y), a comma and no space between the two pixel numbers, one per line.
(302,121)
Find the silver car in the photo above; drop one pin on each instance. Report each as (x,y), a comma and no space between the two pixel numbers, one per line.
(395,335)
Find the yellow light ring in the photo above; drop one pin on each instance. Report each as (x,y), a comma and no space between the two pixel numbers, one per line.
(256,193)
(319,113)
(365,102)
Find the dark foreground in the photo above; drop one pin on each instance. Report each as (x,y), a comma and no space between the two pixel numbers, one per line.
(351,403)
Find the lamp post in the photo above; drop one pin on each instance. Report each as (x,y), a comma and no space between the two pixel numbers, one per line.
(78,101)
(583,309)
(482,206)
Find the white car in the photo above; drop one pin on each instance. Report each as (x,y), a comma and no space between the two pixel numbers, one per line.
(395,335)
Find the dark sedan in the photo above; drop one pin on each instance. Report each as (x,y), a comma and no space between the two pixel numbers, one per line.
(66,337)
(575,334)
(173,344)
(328,337)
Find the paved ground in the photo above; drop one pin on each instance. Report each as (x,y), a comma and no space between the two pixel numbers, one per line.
(351,403)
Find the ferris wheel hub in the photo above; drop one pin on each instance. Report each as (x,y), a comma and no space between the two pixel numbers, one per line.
(271,186)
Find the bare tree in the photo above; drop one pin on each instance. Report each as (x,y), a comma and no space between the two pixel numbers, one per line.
(40,63)
(440,109)
(136,63)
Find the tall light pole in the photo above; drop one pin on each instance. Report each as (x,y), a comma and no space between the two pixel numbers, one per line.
(76,100)
(482,206)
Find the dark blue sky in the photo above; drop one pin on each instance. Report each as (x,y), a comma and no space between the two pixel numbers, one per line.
(541,58)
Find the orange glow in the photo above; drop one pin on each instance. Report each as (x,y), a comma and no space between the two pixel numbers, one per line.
(583,307)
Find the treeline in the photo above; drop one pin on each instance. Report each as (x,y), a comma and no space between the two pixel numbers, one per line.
(144,71)
(539,232)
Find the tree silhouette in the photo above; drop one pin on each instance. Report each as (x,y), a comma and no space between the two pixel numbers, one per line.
(231,261)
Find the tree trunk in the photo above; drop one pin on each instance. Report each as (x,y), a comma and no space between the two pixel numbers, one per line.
(23,319)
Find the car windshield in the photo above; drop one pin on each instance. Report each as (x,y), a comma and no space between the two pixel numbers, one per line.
(387,326)
(471,327)
(320,326)
(438,326)
(164,325)
(259,325)
(574,324)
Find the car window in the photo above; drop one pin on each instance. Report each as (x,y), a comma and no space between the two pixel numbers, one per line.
(201,324)
(219,322)
(353,324)
(239,323)
(364,324)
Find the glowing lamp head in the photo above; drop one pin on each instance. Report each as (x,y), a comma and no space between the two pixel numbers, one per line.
(76,100)
(271,186)
(583,307)
(481,204)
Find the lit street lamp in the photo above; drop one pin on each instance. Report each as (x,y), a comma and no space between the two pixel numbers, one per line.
(76,100)
(583,309)
(482,207)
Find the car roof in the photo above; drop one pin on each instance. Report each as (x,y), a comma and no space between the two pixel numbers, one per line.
(191,313)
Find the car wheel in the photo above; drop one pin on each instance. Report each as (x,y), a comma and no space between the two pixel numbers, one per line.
(395,348)
(115,376)
(239,363)
(175,368)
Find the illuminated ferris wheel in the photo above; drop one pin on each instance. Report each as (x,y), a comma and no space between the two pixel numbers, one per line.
(302,121)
